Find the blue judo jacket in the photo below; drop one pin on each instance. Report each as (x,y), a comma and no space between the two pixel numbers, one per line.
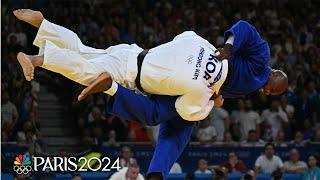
(249,66)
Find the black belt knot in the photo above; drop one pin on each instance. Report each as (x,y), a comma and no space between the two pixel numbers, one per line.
(140,59)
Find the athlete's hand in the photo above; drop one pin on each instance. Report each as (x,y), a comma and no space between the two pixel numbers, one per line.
(101,84)
(224,53)
(218,101)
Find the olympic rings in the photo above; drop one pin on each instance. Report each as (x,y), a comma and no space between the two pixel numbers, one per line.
(22,169)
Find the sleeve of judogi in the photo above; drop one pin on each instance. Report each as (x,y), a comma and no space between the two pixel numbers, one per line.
(195,105)
(173,137)
(248,41)
(145,110)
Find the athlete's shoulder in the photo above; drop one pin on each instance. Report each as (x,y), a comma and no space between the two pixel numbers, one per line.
(186,34)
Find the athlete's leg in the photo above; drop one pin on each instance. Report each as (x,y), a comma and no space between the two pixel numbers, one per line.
(63,61)
(174,133)
(58,35)
(29,16)
(173,137)
(145,110)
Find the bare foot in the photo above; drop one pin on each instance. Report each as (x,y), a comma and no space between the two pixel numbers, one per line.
(34,18)
(27,66)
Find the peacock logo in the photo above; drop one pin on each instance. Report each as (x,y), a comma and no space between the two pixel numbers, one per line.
(22,164)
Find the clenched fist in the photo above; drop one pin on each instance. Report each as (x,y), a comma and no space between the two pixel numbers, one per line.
(225,52)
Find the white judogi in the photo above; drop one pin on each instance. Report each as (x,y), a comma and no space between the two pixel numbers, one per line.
(185,66)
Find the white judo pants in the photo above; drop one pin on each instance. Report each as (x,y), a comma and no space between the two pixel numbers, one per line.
(65,54)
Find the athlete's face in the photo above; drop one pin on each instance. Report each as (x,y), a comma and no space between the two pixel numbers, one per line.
(132,173)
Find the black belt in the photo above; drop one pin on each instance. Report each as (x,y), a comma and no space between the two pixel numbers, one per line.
(140,59)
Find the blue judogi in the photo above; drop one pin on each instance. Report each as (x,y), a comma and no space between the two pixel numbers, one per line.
(249,66)
(248,72)
(174,132)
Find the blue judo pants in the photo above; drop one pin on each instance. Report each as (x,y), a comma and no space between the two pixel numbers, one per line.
(174,132)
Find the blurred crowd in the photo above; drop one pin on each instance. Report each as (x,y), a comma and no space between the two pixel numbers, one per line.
(19,98)
(291,28)
(268,162)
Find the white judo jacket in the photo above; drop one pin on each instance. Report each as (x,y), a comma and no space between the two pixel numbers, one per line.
(184,67)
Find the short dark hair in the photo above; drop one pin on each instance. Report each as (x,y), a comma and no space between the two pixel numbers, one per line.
(233,153)
(269,144)
(252,131)
(219,175)
(277,174)
(247,177)
(313,155)
(75,175)
(133,165)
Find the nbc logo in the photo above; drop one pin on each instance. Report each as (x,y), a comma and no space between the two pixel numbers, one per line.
(22,164)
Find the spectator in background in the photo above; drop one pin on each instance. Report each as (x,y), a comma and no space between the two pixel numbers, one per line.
(279,141)
(308,130)
(98,136)
(266,132)
(294,165)
(9,113)
(227,139)
(219,175)
(313,172)
(287,108)
(234,164)
(219,118)
(29,101)
(95,115)
(299,140)
(127,158)
(315,100)
(202,167)
(246,118)
(76,177)
(63,153)
(303,108)
(276,175)
(268,162)
(119,126)
(138,131)
(19,35)
(112,139)
(132,172)
(206,133)
(4,136)
(176,168)
(317,136)
(253,139)
(250,175)
(13,45)
(275,117)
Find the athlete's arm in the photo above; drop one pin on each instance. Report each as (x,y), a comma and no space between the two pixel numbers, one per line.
(246,37)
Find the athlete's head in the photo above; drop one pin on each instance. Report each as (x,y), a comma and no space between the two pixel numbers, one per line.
(133,171)
(276,84)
